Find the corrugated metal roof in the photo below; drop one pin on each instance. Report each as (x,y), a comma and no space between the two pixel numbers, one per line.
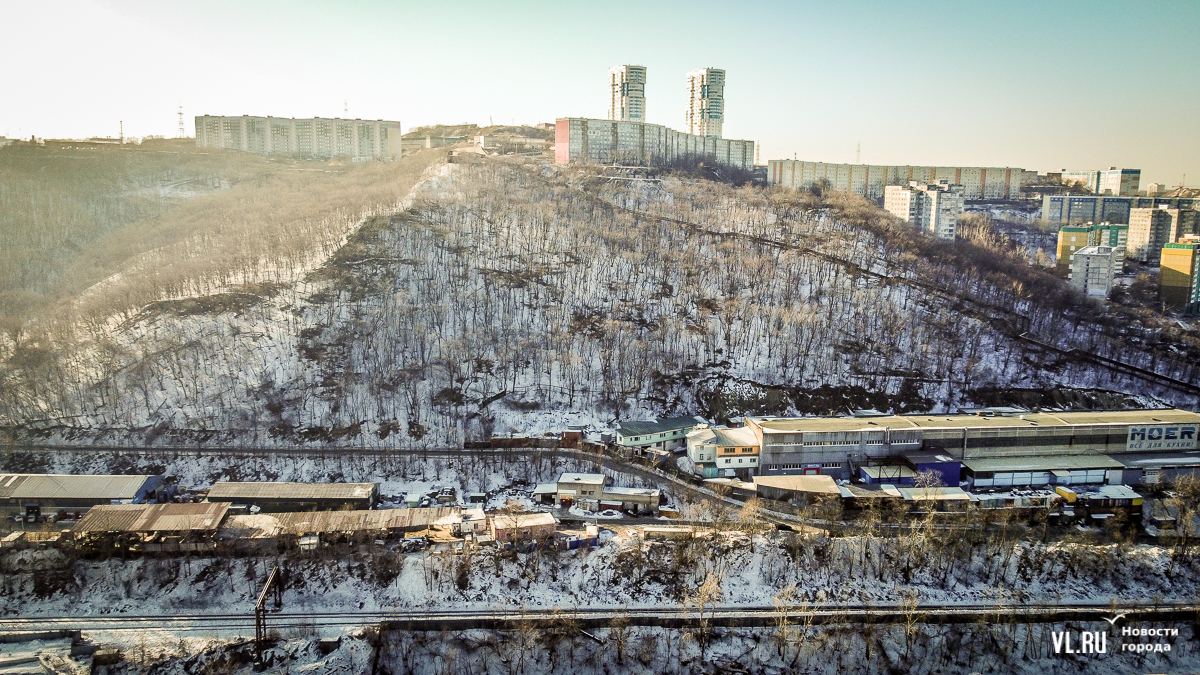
(813,483)
(152,518)
(641,428)
(865,492)
(1042,463)
(9,482)
(359,521)
(519,520)
(828,424)
(935,494)
(1157,459)
(58,486)
(232,491)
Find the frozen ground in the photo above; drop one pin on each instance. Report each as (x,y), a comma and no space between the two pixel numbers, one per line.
(625,572)
(923,649)
(513,300)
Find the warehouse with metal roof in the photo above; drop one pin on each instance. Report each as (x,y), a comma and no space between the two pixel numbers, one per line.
(151,518)
(271,497)
(334,526)
(837,446)
(62,490)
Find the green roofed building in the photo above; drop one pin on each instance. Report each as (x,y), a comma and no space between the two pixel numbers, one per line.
(656,435)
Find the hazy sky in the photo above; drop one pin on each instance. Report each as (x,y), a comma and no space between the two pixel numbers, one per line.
(1043,84)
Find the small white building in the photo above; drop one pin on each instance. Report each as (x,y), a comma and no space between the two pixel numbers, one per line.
(1093,268)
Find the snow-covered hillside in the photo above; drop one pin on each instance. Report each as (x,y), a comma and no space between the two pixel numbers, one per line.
(626,572)
(517,298)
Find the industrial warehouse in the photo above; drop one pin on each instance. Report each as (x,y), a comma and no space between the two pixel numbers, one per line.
(992,447)
(297,496)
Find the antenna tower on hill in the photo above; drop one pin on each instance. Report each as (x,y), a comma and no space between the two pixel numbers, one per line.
(182,131)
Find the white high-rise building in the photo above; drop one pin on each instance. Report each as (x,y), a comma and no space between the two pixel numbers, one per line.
(706,102)
(1092,270)
(934,208)
(869,180)
(315,137)
(627,93)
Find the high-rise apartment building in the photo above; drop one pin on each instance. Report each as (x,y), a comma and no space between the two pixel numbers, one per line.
(316,137)
(706,102)
(1093,268)
(1151,228)
(627,93)
(1095,208)
(1113,181)
(934,207)
(870,180)
(587,140)
(1179,280)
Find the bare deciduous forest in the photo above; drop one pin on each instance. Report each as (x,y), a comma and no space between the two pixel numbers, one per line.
(506,294)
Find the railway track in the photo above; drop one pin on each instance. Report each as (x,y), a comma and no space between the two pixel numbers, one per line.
(600,617)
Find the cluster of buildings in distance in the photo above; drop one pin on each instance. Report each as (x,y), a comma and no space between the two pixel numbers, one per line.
(871,180)
(1110,181)
(1101,208)
(315,137)
(930,197)
(1091,254)
(706,98)
(985,448)
(626,138)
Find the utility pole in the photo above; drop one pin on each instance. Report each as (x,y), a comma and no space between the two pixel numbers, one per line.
(122,132)
(182,131)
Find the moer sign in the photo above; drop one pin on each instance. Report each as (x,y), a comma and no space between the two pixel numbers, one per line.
(1162,437)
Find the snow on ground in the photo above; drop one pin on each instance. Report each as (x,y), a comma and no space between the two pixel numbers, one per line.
(819,650)
(627,572)
(511,499)
(623,571)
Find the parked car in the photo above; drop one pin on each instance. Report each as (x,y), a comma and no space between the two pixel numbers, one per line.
(413,544)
